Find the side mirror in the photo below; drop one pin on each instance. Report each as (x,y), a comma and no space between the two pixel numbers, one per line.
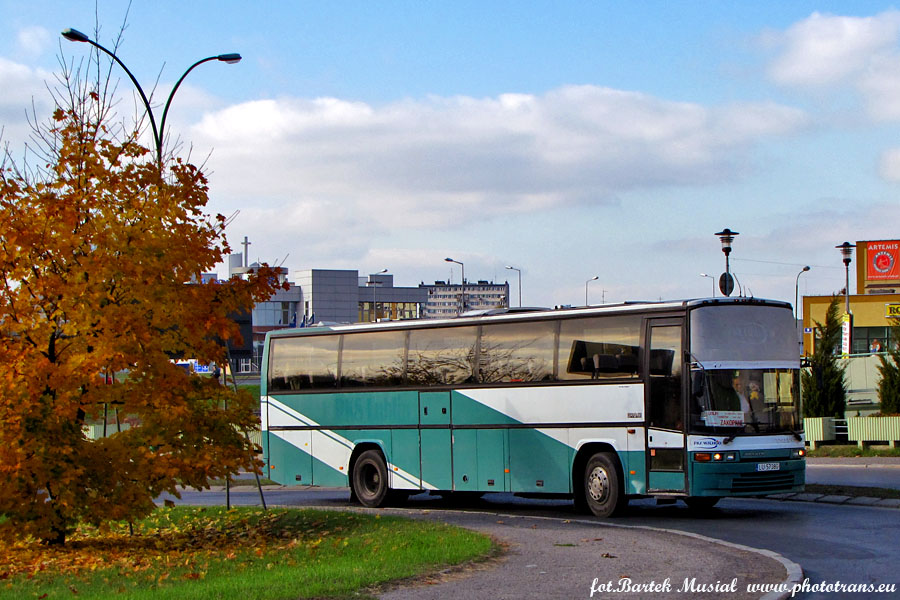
(698,383)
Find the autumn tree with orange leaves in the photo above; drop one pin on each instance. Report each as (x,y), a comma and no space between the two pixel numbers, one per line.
(101,247)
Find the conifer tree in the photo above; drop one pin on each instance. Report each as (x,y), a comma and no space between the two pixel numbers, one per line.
(824,393)
(889,386)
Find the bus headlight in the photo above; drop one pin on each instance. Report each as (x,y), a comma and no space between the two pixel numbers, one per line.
(715,456)
(798,452)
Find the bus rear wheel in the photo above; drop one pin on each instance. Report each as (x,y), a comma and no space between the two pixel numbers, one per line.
(370,479)
(601,485)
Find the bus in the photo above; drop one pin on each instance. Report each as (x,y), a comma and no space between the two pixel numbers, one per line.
(692,400)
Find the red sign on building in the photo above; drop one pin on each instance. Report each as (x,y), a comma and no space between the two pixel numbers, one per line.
(883,260)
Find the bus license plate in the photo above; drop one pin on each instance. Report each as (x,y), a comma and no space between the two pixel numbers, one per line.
(768,466)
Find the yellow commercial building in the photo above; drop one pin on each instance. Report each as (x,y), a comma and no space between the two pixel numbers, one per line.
(874,306)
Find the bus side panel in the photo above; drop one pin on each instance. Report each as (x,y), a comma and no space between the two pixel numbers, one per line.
(437,473)
(289,463)
(405,472)
(375,409)
(539,463)
(479,460)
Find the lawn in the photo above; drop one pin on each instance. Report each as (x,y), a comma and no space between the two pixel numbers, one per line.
(849,450)
(188,552)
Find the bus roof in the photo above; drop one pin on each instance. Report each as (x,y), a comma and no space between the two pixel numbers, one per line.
(523,314)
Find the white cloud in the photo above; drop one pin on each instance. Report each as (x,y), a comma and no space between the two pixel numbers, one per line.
(447,161)
(33,40)
(23,89)
(826,49)
(889,165)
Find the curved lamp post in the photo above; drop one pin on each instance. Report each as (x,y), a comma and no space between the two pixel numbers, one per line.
(594,278)
(374,289)
(797,290)
(519,271)
(74,35)
(463,281)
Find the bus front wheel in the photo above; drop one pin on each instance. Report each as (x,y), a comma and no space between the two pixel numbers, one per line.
(701,502)
(370,479)
(601,485)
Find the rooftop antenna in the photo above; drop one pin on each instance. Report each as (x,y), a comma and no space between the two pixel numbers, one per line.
(283,260)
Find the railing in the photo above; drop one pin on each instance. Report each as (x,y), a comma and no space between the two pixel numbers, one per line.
(840,429)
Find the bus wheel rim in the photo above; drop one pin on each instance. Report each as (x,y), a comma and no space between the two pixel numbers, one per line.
(598,485)
(371,479)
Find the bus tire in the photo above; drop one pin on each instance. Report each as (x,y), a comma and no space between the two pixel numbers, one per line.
(370,479)
(601,487)
(701,502)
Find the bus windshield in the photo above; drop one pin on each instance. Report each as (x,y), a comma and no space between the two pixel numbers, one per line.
(745,401)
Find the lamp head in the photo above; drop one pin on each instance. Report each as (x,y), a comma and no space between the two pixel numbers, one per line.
(73,35)
(846,251)
(727,236)
(232,58)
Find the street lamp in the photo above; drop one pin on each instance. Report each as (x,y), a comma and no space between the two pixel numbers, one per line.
(519,271)
(847,253)
(463,281)
(594,278)
(713,282)
(374,289)
(726,284)
(74,35)
(797,290)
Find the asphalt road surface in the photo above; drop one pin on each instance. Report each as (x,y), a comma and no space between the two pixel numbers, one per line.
(832,543)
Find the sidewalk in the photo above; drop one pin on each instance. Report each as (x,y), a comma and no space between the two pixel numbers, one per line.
(864,498)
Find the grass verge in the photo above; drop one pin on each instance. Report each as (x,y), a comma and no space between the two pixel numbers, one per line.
(850,450)
(200,553)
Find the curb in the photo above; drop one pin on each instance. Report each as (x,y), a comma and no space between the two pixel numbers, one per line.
(833,499)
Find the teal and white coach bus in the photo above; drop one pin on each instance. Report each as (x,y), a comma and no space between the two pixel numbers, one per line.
(691,399)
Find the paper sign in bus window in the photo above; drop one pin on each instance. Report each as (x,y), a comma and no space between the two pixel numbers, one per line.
(724,418)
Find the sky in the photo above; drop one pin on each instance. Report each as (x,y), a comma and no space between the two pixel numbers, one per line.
(566,139)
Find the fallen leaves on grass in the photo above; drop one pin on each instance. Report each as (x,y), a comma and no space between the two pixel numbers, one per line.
(181,543)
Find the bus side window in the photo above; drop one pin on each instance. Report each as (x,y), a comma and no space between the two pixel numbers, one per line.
(599,348)
(516,352)
(442,356)
(303,363)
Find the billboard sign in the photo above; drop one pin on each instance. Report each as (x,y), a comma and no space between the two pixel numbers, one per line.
(883,260)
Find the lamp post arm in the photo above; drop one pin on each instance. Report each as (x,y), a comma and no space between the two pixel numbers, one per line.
(136,85)
(162,123)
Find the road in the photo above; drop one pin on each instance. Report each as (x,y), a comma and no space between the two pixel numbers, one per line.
(832,543)
(858,473)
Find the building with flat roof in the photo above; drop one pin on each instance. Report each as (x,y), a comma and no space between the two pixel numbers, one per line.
(451,299)
(343,296)
(874,306)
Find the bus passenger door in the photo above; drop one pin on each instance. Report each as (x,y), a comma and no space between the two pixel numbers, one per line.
(434,447)
(664,397)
